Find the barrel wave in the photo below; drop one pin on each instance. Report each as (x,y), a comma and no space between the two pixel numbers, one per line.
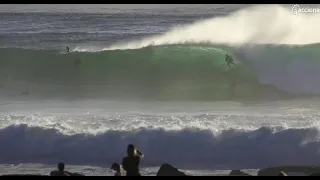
(166,72)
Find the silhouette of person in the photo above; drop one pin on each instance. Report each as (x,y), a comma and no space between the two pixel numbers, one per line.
(132,161)
(116,167)
(60,171)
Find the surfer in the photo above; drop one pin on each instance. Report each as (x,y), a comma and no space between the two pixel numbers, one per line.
(68,49)
(229,60)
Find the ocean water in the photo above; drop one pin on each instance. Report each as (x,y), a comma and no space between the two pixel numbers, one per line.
(155,76)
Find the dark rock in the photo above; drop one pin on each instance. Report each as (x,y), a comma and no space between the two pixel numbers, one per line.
(238,173)
(168,170)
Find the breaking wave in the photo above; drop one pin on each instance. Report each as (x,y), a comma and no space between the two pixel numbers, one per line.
(186,148)
(189,71)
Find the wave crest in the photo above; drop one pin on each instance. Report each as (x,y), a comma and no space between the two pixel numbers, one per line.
(187,148)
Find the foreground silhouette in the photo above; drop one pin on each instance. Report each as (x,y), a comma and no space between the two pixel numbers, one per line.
(117,168)
(62,172)
(168,170)
(132,161)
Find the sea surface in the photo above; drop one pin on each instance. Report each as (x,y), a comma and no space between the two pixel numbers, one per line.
(155,76)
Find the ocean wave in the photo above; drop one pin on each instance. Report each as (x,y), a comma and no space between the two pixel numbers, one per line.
(188,72)
(186,148)
(260,24)
(274,60)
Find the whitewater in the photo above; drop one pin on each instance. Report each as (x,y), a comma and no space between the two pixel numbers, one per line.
(156,76)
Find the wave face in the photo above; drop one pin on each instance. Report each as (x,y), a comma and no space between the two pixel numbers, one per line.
(193,71)
(186,148)
(274,61)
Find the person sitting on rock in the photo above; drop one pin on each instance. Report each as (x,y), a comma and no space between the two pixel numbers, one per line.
(60,171)
(132,161)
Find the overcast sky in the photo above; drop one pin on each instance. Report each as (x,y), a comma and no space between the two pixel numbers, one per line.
(100,7)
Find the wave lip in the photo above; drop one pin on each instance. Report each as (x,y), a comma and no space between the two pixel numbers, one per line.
(187,148)
(245,26)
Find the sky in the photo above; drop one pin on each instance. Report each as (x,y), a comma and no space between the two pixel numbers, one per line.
(102,7)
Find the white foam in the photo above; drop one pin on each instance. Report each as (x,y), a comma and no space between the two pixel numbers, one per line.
(186,148)
(264,24)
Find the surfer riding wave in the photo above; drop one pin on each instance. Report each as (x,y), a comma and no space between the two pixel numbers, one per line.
(229,60)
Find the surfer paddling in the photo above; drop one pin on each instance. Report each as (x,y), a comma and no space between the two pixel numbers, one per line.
(229,60)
